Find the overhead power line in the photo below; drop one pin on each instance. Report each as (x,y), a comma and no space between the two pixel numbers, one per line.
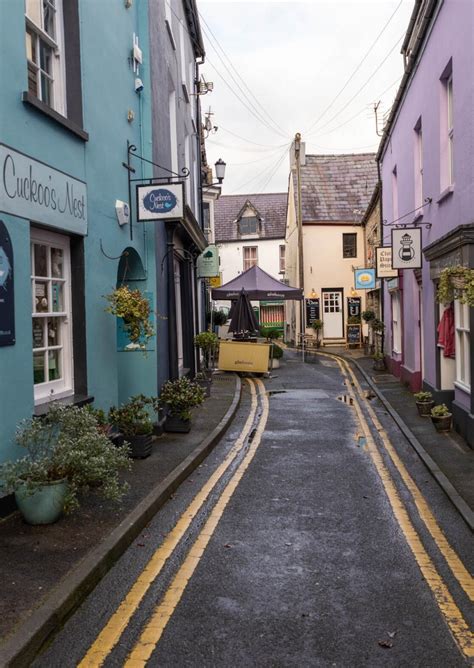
(354,72)
(244,83)
(266,171)
(249,141)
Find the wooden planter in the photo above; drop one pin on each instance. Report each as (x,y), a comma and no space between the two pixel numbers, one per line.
(140,445)
(176,425)
(442,423)
(424,408)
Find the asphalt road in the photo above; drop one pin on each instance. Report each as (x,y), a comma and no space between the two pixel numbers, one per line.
(307,563)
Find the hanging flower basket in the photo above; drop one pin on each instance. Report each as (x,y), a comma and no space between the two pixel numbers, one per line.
(134,309)
(456,283)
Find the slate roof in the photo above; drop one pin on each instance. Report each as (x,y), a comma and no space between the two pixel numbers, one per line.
(271,207)
(337,187)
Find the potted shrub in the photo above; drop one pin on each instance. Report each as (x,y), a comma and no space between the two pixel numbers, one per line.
(379,361)
(67,454)
(179,396)
(104,426)
(133,421)
(204,381)
(207,342)
(276,353)
(219,318)
(441,418)
(134,309)
(270,333)
(317,325)
(368,315)
(424,403)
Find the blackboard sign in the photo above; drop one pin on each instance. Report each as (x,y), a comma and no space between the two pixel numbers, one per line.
(353,334)
(7,299)
(353,306)
(312,311)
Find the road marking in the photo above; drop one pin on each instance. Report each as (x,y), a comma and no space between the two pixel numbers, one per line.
(112,631)
(458,569)
(453,616)
(153,631)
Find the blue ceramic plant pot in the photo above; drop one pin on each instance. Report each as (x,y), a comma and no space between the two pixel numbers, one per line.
(44,505)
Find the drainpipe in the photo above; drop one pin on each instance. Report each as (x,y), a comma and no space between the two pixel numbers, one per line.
(382,286)
(172,333)
(299,215)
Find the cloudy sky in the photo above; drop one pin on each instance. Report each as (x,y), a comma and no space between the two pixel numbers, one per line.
(285,67)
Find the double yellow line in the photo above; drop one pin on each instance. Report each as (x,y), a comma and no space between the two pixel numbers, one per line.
(453,616)
(112,631)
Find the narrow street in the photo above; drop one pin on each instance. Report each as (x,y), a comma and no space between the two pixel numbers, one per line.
(311,536)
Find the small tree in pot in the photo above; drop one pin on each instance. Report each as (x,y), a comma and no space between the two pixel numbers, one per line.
(179,396)
(424,403)
(208,343)
(317,325)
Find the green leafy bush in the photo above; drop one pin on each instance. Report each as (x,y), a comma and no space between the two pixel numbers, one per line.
(133,418)
(440,411)
(377,325)
(134,309)
(353,320)
(66,444)
(180,395)
(277,351)
(456,283)
(368,315)
(423,397)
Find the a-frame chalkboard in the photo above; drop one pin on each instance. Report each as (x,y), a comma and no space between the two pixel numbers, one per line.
(7,297)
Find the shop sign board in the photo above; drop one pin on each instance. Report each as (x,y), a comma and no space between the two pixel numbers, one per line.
(406,248)
(312,311)
(384,262)
(215,281)
(208,262)
(36,191)
(160,202)
(7,298)
(353,335)
(353,307)
(364,279)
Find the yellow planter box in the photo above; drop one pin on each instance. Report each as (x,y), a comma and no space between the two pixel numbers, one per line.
(241,356)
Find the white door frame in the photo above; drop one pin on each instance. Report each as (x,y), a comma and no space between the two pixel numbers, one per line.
(333,322)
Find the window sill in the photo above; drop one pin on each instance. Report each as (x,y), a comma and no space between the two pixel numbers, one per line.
(461,386)
(445,194)
(73,400)
(33,101)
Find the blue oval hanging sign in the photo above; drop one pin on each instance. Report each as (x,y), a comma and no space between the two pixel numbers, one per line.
(160,202)
(7,298)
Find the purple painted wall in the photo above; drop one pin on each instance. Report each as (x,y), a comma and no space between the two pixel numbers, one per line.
(451,37)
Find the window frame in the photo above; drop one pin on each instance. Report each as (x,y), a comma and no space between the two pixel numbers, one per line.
(345,237)
(418,151)
(57,75)
(245,219)
(64,386)
(247,260)
(450,129)
(282,258)
(462,345)
(396,309)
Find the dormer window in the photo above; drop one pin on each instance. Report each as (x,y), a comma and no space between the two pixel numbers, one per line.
(248,226)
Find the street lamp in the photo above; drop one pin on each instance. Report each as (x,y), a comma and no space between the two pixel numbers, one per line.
(354,293)
(313,294)
(220,166)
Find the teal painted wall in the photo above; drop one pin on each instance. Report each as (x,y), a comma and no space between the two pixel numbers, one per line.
(107,94)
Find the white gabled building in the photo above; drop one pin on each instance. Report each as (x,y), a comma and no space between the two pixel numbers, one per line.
(250,230)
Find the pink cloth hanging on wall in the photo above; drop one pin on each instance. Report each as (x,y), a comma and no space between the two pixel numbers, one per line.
(446,332)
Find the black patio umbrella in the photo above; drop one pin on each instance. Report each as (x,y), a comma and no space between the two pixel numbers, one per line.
(243,318)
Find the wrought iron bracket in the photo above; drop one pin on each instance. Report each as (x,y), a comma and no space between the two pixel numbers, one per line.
(395,223)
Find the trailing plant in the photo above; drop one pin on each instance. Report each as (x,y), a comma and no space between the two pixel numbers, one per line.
(423,397)
(368,315)
(134,309)
(277,352)
(353,320)
(132,418)
(456,283)
(440,411)
(66,444)
(180,395)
